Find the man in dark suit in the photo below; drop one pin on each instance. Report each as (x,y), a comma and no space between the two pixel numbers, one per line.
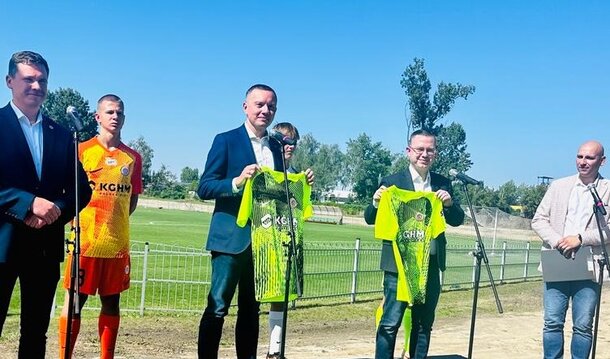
(421,152)
(235,156)
(37,199)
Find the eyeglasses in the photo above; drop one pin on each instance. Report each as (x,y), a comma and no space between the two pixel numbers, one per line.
(419,151)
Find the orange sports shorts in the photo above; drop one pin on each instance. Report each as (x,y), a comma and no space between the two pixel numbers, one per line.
(106,276)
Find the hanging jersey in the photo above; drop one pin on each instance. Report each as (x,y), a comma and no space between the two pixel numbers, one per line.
(264,203)
(410,220)
(114,176)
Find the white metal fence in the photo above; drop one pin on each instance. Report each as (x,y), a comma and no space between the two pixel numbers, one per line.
(166,278)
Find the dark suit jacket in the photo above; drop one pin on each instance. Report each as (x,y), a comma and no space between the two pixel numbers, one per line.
(231,151)
(454,215)
(19,184)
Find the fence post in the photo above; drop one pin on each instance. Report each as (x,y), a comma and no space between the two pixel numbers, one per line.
(144,278)
(527,261)
(355,270)
(503,262)
(474,264)
(493,246)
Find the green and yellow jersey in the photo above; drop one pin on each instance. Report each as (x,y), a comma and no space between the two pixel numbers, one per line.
(265,204)
(410,220)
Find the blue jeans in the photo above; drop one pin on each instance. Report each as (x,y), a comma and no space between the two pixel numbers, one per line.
(422,316)
(393,310)
(230,271)
(556,299)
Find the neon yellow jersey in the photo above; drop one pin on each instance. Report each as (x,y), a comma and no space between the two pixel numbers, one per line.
(264,203)
(410,220)
(114,176)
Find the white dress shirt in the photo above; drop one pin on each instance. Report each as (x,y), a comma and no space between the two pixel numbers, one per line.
(422,185)
(33,136)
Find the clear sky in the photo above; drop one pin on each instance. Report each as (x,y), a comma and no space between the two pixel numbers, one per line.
(541,70)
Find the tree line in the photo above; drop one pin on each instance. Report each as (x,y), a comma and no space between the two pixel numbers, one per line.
(364,161)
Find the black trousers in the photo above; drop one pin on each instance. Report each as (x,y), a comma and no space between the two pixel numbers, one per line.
(38,278)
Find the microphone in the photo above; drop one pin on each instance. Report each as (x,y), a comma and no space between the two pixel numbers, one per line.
(463,177)
(283,140)
(71,112)
(598,201)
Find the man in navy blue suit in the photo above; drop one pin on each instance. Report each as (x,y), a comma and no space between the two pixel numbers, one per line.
(37,199)
(235,156)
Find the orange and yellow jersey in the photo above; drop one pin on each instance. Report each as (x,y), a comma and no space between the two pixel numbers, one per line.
(114,177)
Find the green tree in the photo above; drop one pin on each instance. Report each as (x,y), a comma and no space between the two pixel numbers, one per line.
(427,114)
(327,162)
(190,178)
(451,150)
(306,153)
(480,196)
(508,195)
(366,163)
(164,184)
(188,175)
(400,162)
(57,102)
(530,199)
(328,169)
(147,153)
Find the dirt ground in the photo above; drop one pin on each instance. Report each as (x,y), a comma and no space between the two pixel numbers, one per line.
(514,334)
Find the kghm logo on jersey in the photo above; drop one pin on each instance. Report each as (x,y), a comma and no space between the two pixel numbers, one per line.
(280,222)
(413,235)
(266,221)
(283,222)
(111,187)
(125,170)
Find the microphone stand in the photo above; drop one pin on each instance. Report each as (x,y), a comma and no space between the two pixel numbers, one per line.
(291,254)
(73,302)
(602,262)
(479,254)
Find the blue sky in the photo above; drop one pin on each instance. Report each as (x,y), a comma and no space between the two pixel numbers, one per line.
(541,70)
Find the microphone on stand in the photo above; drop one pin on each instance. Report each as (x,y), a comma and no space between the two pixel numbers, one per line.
(598,201)
(280,138)
(464,178)
(71,112)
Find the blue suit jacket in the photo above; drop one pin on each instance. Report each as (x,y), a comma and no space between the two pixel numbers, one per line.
(19,184)
(454,215)
(231,151)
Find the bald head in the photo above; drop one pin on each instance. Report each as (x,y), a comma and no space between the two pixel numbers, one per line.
(589,159)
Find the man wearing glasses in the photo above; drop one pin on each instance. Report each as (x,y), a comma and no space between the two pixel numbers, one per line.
(421,153)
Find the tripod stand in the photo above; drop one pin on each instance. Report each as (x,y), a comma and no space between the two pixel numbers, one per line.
(73,302)
(599,211)
(479,254)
